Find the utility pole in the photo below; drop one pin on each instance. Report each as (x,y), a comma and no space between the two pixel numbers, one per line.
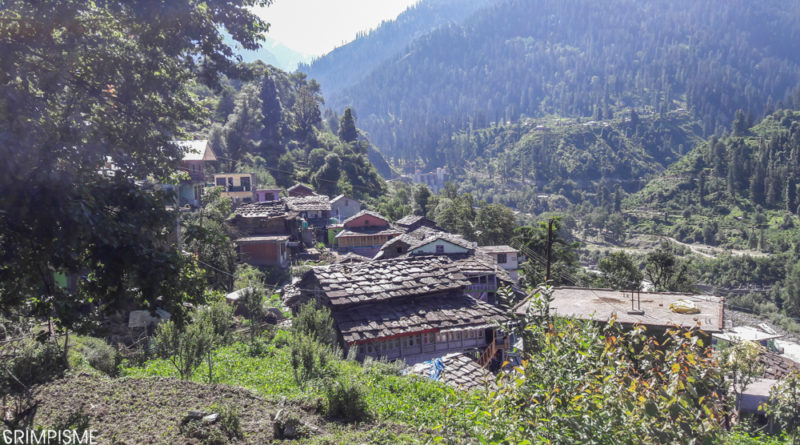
(549,249)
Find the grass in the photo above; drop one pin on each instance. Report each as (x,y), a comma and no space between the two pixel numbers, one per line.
(390,397)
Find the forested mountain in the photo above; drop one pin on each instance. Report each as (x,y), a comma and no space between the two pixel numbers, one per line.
(579,58)
(348,64)
(536,165)
(739,190)
(271,124)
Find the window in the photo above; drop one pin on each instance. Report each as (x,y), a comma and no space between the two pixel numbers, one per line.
(501,258)
(221,182)
(439,248)
(245,182)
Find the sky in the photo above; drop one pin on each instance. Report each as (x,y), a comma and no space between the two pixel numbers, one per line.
(315,27)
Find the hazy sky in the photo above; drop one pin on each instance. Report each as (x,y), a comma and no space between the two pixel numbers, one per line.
(315,27)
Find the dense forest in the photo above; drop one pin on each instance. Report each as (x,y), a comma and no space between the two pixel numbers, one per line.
(348,64)
(582,58)
(271,124)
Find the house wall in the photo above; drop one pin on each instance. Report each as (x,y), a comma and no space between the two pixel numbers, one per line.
(366,245)
(511,264)
(430,248)
(195,170)
(345,208)
(190,194)
(268,253)
(366,221)
(262,226)
(420,347)
(267,195)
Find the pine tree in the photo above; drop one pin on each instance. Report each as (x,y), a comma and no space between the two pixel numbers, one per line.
(739,124)
(347,127)
(790,196)
(271,110)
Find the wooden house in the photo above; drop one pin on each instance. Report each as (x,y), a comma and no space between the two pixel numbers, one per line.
(364,233)
(411,308)
(264,231)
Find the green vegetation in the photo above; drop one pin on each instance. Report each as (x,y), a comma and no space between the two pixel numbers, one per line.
(389,397)
(592,59)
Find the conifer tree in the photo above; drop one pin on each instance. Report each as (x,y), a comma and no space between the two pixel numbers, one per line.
(347,127)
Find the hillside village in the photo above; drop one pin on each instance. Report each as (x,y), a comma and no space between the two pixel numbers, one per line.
(442,305)
(482,222)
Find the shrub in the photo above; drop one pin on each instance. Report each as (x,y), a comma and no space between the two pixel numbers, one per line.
(346,400)
(282,338)
(229,421)
(310,359)
(99,355)
(186,348)
(315,322)
(384,367)
(219,315)
(34,364)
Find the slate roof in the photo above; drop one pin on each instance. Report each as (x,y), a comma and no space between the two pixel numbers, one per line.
(350,257)
(377,281)
(340,197)
(261,238)
(432,236)
(409,220)
(308,203)
(366,212)
(459,371)
(414,221)
(368,231)
(407,316)
(299,186)
(777,366)
(266,209)
(478,265)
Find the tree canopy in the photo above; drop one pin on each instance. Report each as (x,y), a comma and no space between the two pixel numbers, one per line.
(87,85)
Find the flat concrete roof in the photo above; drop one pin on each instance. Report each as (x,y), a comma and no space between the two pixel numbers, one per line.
(603,304)
(746,333)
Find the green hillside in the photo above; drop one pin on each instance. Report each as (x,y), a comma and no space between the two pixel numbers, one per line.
(567,160)
(739,190)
